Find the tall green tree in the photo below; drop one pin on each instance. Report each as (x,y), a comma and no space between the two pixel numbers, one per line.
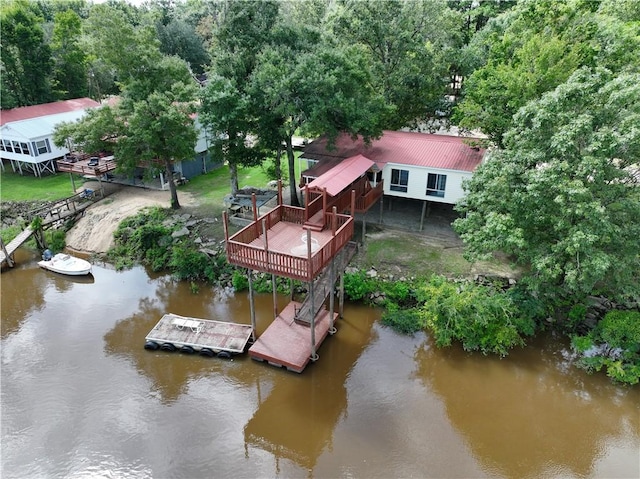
(70,70)
(155,131)
(244,31)
(563,197)
(323,91)
(409,50)
(534,47)
(26,56)
(181,39)
(159,128)
(224,111)
(126,49)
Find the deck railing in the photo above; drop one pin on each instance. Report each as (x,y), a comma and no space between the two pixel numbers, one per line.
(241,253)
(290,214)
(105,165)
(364,202)
(314,206)
(70,203)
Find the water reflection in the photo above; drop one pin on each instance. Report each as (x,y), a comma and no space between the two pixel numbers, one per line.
(528,415)
(25,294)
(171,373)
(82,398)
(297,419)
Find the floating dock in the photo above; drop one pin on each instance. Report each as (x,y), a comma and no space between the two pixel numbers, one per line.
(286,343)
(194,335)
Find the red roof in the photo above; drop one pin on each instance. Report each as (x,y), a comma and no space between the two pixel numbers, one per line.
(339,177)
(404,148)
(46,109)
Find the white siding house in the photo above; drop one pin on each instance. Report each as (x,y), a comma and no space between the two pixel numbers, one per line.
(416,166)
(26,134)
(432,184)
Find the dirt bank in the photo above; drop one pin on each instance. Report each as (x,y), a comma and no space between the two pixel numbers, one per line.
(93,233)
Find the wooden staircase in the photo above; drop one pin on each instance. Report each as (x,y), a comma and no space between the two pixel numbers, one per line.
(316,222)
(322,286)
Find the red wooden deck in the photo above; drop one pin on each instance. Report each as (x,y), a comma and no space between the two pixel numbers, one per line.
(274,243)
(81,167)
(288,344)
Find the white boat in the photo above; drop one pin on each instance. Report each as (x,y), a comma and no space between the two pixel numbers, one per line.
(65,264)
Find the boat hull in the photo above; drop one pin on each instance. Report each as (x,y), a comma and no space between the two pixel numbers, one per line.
(66,264)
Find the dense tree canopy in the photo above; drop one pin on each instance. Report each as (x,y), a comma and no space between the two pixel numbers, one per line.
(26,56)
(408,46)
(70,70)
(226,112)
(152,124)
(562,197)
(531,49)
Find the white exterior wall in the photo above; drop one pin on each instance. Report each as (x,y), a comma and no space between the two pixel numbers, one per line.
(8,134)
(417,184)
(34,130)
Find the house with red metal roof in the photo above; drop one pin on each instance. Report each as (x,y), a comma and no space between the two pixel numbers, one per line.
(26,141)
(411,165)
(26,134)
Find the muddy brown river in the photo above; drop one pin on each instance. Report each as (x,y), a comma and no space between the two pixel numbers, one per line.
(82,398)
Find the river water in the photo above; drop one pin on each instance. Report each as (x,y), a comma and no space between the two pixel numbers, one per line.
(82,398)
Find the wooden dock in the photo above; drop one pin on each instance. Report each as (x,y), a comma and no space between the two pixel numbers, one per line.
(286,343)
(51,215)
(6,252)
(194,335)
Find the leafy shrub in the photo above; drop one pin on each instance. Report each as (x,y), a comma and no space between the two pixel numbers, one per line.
(190,264)
(144,238)
(406,321)
(269,168)
(398,292)
(613,345)
(56,239)
(358,286)
(575,318)
(239,281)
(481,318)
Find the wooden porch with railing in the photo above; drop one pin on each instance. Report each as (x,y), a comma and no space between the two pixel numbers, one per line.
(80,165)
(358,198)
(278,243)
(282,242)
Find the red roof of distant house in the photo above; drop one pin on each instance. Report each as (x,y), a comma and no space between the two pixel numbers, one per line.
(405,148)
(342,175)
(46,109)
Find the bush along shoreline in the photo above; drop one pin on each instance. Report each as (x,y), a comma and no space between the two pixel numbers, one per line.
(486,315)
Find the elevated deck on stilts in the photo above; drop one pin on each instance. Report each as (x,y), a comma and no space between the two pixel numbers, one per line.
(285,343)
(311,244)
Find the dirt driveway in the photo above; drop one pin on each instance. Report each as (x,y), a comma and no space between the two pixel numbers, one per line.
(93,233)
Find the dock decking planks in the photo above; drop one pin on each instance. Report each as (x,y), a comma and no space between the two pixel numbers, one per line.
(215,335)
(286,343)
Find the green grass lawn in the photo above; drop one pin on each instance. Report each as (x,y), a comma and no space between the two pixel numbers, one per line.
(412,256)
(211,188)
(14,187)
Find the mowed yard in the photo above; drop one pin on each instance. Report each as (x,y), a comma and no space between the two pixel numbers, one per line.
(390,252)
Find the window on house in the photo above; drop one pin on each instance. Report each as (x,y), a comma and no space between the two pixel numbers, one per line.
(7,146)
(20,148)
(436,184)
(399,180)
(42,147)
